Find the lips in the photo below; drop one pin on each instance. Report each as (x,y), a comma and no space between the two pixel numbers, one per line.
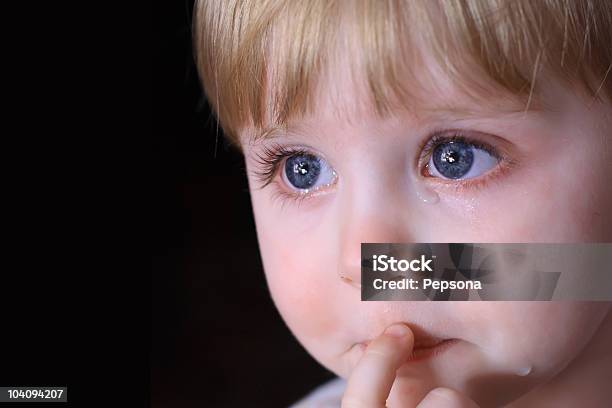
(426,347)
(422,341)
(423,352)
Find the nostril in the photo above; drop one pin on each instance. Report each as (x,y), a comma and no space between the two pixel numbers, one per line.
(350,281)
(345,279)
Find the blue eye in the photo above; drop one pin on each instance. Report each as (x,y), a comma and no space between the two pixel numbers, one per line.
(306,171)
(459,160)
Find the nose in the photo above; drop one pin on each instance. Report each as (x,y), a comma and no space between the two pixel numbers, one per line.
(378,219)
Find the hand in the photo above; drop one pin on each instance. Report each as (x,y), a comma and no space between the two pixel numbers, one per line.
(370,382)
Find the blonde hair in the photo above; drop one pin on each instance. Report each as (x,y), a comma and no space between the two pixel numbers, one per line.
(260,61)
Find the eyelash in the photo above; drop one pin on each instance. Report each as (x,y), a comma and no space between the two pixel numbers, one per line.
(268,163)
(271,157)
(427,147)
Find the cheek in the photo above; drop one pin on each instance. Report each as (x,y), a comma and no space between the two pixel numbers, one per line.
(559,209)
(569,202)
(545,336)
(298,274)
(560,197)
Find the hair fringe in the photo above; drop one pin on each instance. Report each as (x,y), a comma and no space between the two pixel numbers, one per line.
(261,62)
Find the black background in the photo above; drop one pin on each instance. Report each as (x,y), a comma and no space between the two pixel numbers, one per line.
(217,339)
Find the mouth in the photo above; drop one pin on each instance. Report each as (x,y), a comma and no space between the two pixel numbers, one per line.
(426,348)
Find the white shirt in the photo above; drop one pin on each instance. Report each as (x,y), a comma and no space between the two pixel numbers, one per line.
(327,395)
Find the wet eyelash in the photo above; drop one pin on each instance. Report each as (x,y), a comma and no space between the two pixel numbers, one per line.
(439,138)
(283,197)
(270,159)
(427,148)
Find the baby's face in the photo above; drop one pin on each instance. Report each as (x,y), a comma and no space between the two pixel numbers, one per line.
(453,171)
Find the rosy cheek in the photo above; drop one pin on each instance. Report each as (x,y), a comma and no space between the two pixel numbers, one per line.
(518,219)
(301,290)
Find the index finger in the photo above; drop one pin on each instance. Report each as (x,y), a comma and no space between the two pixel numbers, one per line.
(371,380)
